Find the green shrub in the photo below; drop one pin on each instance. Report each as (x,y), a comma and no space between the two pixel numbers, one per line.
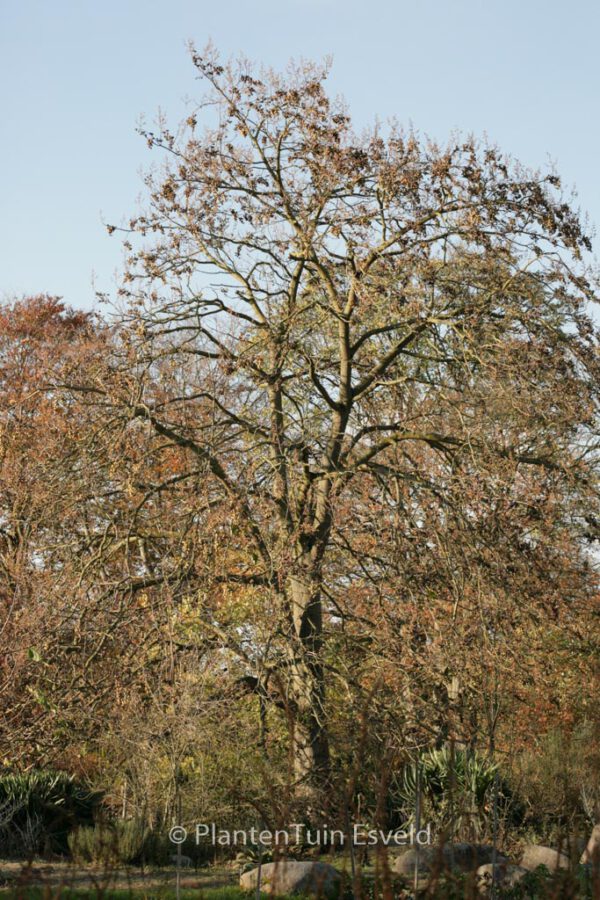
(39,808)
(116,843)
(558,779)
(457,792)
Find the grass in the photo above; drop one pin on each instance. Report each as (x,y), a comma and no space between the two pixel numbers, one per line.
(49,893)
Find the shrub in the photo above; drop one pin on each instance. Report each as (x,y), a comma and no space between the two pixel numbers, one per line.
(558,779)
(39,808)
(120,842)
(457,792)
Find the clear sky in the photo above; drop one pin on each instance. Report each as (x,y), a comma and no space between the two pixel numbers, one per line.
(76,75)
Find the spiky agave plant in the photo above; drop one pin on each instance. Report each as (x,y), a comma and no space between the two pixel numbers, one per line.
(41,806)
(456,789)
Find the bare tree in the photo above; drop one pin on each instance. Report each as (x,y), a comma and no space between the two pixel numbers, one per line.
(323,329)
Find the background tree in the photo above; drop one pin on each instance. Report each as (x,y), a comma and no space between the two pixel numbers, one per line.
(37,335)
(71,644)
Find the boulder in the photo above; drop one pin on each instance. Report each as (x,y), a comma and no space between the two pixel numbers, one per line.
(292,877)
(535,855)
(591,853)
(507,874)
(462,856)
(184,861)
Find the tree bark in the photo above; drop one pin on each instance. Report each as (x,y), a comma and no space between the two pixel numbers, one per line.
(306,694)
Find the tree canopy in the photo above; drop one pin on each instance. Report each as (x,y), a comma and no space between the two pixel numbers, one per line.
(339,447)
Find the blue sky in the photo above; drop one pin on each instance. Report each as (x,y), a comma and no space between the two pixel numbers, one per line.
(77,77)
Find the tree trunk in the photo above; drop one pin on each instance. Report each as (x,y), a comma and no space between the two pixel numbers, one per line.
(306,694)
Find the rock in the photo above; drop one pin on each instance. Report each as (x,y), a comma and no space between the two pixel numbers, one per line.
(291,877)
(535,855)
(466,857)
(184,861)
(507,874)
(592,851)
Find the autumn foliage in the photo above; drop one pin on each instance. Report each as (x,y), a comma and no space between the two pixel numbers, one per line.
(332,462)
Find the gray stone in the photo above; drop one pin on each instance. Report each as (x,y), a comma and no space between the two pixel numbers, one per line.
(183,861)
(291,877)
(462,856)
(592,851)
(507,874)
(535,855)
